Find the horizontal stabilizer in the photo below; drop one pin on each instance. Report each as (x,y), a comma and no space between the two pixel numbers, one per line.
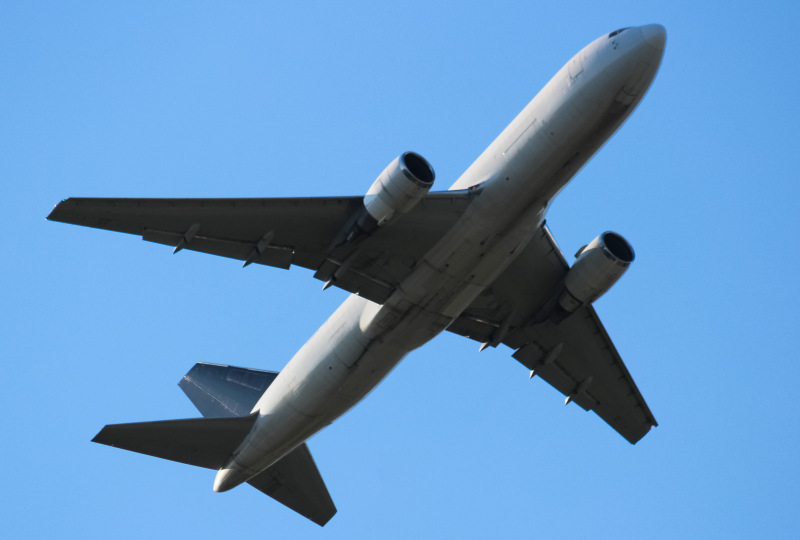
(295,481)
(203,442)
(225,390)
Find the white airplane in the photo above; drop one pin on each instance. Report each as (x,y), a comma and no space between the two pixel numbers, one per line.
(476,260)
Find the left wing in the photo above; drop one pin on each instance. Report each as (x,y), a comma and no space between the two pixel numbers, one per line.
(282,232)
(576,356)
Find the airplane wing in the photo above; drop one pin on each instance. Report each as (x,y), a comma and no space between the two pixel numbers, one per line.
(576,356)
(281,232)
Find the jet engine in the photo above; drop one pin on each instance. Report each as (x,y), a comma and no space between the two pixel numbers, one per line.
(396,191)
(399,188)
(600,264)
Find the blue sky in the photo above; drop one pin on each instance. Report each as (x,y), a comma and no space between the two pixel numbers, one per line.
(245,99)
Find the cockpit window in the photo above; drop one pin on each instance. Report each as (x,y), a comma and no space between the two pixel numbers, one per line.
(615,32)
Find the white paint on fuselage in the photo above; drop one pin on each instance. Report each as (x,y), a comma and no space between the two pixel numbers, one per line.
(518,176)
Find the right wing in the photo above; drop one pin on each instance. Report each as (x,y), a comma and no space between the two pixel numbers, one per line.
(282,232)
(576,356)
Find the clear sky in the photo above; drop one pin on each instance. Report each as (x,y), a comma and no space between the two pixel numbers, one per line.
(256,99)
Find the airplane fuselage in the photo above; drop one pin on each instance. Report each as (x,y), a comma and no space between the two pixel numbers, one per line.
(515,180)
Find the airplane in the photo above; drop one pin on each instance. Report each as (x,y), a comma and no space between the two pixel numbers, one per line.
(477,260)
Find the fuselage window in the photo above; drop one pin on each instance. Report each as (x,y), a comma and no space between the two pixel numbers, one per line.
(615,32)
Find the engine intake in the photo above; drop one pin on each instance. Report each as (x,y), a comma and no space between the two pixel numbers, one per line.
(600,264)
(399,188)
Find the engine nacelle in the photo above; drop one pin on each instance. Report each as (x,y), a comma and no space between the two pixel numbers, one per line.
(399,188)
(599,266)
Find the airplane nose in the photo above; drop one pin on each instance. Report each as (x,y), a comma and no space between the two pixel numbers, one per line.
(655,35)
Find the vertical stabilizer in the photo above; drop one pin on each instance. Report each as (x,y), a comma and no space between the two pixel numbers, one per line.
(218,390)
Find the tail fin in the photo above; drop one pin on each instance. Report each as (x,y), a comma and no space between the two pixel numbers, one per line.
(225,390)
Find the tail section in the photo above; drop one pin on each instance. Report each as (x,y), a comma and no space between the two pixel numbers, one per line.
(294,481)
(225,395)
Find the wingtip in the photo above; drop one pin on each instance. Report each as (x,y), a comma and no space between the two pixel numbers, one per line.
(323,521)
(53,215)
(99,437)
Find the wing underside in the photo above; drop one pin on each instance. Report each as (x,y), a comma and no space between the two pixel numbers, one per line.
(281,232)
(577,357)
